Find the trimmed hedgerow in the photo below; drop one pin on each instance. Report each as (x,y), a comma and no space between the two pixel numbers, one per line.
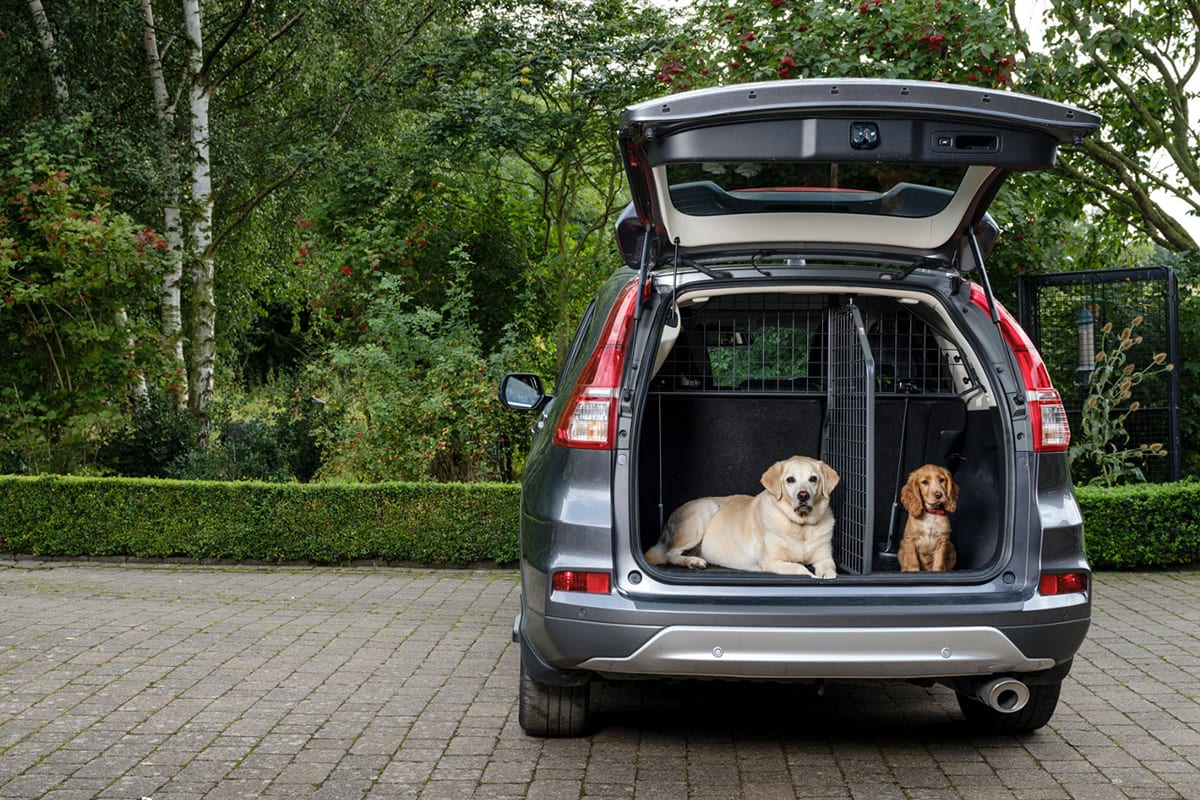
(437,524)
(1126,527)
(1143,525)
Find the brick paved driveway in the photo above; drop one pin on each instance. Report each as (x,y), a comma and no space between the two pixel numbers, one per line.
(177,682)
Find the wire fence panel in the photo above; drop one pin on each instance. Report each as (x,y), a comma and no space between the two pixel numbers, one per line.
(1065,314)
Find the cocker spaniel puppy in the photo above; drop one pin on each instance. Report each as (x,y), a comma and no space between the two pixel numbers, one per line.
(928,495)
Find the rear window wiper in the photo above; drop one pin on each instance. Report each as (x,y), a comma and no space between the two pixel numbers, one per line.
(687,262)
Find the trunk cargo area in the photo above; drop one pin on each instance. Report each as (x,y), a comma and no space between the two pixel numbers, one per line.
(874,386)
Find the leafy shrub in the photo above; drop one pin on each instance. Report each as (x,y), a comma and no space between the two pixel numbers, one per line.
(77,305)
(255,437)
(1143,525)
(438,524)
(244,450)
(416,398)
(296,428)
(1102,451)
(1126,527)
(156,436)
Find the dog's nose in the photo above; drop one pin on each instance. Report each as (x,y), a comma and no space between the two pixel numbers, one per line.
(938,495)
(803,496)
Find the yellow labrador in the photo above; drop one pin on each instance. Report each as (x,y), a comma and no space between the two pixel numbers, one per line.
(780,529)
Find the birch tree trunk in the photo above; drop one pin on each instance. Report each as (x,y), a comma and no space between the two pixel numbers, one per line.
(41,24)
(200,239)
(171,292)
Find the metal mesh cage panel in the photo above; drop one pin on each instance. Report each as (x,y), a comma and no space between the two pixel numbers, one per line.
(748,343)
(910,358)
(767,343)
(848,441)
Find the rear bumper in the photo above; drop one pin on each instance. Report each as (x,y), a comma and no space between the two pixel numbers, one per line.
(567,651)
(822,653)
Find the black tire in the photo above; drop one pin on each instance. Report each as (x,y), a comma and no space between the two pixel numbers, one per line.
(558,711)
(1043,699)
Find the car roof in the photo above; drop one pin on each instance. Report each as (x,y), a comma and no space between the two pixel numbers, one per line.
(848,166)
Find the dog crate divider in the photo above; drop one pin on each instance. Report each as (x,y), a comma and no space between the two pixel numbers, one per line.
(848,440)
(768,375)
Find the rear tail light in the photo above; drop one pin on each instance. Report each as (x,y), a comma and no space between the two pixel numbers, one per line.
(589,418)
(1050,420)
(1051,433)
(575,581)
(1063,583)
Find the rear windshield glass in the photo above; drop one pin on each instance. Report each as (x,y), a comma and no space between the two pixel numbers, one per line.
(895,190)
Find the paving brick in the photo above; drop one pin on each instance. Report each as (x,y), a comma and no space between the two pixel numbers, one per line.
(217,682)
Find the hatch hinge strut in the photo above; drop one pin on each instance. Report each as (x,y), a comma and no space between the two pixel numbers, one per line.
(1018,396)
(644,273)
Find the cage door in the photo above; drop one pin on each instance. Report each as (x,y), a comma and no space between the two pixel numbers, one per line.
(848,440)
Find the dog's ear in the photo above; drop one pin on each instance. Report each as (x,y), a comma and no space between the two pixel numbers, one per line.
(772,479)
(829,478)
(910,497)
(951,503)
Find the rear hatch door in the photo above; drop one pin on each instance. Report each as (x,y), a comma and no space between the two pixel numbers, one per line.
(851,168)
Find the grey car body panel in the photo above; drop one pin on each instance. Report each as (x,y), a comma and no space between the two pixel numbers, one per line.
(576,514)
(811,120)
(823,653)
(580,508)
(858,96)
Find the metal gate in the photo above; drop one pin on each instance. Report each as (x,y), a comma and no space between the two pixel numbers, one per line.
(848,441)
(1064,314)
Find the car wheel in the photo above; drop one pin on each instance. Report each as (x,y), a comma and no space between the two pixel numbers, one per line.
(545,710)
(1043,699)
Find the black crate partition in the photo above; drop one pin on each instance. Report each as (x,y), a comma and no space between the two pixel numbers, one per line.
(848,441)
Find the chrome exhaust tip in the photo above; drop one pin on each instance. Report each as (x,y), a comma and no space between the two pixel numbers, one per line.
(1006,695)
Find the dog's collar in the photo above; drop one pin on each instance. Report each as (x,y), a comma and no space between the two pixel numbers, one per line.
(941,512)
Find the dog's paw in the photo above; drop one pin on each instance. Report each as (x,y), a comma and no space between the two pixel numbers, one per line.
(693,562)
(825,571)
(788,568)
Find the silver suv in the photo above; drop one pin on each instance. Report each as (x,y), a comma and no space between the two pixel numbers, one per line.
(805,276)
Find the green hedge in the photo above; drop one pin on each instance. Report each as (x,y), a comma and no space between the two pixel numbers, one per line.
(438,524)
(1147,525)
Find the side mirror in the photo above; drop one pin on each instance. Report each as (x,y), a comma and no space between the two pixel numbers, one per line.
(522,391)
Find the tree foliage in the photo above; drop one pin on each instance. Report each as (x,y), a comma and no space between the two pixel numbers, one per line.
(1137,65)
(211,112)
(517,111)
(467,241)
(206,125)
(447,170)
(77,321)
(1047,226)
(960,41)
